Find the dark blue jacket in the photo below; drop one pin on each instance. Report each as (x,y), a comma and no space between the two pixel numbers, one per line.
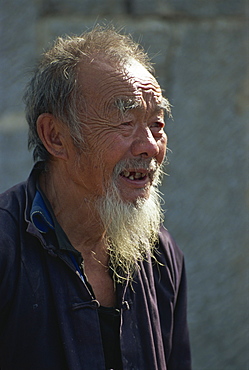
(48,316)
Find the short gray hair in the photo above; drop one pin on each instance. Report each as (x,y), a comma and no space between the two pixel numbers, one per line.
(53,87)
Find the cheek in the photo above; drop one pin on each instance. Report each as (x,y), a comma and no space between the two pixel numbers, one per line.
(105,150)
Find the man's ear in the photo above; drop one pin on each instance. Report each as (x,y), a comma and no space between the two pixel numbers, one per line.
(52,134)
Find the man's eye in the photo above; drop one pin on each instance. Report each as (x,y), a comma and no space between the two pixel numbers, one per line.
(126,123)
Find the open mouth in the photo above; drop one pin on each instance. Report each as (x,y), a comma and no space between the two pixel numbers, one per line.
(140,172)
(132,175)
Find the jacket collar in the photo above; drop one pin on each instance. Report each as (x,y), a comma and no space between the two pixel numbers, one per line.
(39,215)
(31,188)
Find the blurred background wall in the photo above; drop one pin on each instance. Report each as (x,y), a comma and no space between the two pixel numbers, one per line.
(200,49)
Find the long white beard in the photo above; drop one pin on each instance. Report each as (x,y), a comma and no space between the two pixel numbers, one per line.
(131,229)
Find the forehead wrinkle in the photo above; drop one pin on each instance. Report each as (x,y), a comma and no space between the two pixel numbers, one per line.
(116,91)
(112,79)
(109,95)
(126,81)
(125,91)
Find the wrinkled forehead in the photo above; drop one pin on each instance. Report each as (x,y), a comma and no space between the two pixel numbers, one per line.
(129,85)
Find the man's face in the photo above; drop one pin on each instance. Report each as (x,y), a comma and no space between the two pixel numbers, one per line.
(123,117)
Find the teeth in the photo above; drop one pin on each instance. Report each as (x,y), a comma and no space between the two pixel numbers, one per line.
(132,175)
(138,175)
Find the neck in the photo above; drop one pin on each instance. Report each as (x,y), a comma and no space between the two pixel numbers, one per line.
(74,211)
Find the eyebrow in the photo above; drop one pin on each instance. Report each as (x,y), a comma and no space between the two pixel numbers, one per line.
(164,105)
(124,104)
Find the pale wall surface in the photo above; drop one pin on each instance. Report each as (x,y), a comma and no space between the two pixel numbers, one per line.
(203,66)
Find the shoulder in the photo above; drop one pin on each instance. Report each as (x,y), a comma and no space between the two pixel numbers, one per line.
(13,240)
(168,246)
(13,224)
(10,200)
(169,256)
(16,201)
(12,208)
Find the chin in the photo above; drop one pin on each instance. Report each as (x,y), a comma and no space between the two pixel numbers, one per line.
(136,198)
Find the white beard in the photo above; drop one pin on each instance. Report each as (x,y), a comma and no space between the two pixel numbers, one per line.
(131,229)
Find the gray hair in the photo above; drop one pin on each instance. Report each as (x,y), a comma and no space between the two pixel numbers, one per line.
(53,88)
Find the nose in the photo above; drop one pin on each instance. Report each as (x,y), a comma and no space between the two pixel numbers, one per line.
(144,144)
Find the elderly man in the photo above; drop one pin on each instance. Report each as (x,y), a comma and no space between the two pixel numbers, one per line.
(88,277)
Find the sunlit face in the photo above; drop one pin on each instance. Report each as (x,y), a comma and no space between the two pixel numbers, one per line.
(122,110)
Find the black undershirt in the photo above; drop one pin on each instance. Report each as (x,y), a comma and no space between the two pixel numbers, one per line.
(109,319)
